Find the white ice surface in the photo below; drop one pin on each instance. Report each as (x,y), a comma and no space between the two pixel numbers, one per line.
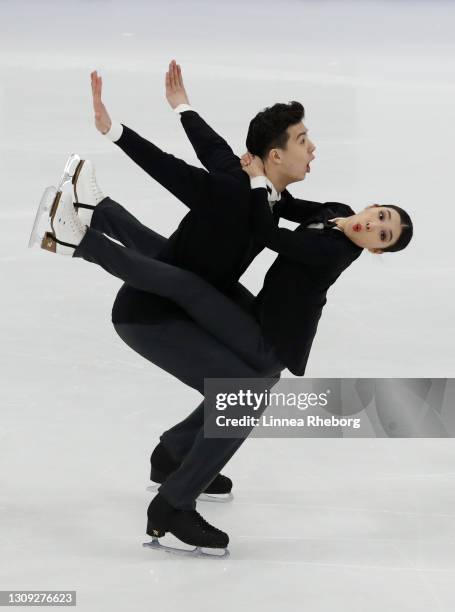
(316,524)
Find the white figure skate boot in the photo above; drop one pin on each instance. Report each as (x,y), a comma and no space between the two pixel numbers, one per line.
(42,218)
(57,227)
(87,194)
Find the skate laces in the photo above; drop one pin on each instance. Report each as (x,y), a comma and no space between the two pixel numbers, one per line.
(75,222)
(97,193)
(96,190)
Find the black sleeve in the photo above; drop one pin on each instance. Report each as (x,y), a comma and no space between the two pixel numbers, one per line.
(304,247)
(189,184)
(295,209)
(211,149)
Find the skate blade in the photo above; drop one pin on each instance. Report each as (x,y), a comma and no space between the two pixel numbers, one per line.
(75,176)
(219,498)
(41,224)
(71,167)
(198,551)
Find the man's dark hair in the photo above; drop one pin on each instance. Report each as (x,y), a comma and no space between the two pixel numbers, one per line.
(406,231)
(268,129)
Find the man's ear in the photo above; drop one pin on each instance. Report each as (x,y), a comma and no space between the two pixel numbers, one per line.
(274,156)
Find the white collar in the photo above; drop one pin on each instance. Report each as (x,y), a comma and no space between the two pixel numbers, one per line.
(272,194)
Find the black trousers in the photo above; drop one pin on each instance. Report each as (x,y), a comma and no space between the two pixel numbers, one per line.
(210,336)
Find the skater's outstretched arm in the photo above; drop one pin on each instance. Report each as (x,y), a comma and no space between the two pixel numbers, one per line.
(188,183)
(211,149)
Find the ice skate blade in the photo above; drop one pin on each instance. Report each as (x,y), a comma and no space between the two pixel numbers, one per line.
(71,167)
(41,224)
(218,498)
(76,173)
(198,551)
(203,497)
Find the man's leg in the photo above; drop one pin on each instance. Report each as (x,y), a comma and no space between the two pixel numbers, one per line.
(189,353)
(114,220)
(179,439)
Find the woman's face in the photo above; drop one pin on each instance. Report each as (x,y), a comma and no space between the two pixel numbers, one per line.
(374,228)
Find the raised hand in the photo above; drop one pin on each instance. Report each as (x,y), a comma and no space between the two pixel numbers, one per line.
(175,90)
(252,165)
(102,120)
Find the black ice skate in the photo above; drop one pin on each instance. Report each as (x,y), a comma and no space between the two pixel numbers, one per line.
(188,526)
(162,465)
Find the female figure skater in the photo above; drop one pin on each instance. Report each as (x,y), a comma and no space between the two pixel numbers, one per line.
(182,323)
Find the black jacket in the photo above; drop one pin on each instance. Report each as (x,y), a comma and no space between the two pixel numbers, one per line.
(290,302)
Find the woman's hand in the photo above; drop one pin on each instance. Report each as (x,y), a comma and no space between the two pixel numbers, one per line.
(102,120)
(252,164)
(175,90)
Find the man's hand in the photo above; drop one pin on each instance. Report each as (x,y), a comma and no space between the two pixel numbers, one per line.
(102,120)
(175,90)
(252,164)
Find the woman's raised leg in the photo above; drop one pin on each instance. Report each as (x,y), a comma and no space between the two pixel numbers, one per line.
(210,308)
(111,218)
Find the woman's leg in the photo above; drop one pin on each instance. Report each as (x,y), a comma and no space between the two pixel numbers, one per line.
(210,308)
(110,218)
(183,349)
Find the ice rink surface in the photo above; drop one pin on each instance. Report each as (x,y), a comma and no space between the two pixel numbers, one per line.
(316,524)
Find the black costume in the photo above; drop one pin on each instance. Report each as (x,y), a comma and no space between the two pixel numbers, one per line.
(182,323)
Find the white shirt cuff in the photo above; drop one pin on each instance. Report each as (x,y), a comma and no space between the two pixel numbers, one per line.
(183,107)
(115,132)
(258,181)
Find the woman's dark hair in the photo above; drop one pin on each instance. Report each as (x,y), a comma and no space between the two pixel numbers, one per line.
(268,129)
(406,230)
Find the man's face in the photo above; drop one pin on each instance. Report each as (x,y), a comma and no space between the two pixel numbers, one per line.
(293,161)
